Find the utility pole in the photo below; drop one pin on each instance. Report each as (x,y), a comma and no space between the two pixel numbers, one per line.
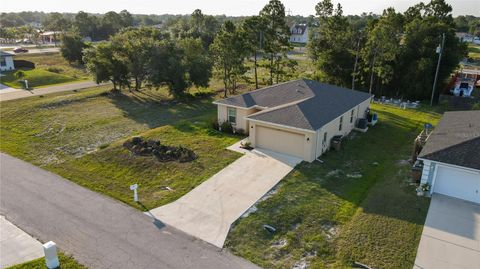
(440,52)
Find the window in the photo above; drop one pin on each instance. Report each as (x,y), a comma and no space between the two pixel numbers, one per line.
(232,115)
(325,138)
(2,61)
(341,122)
(351,115)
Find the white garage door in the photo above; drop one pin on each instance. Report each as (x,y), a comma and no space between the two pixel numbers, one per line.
(457,183)
(280,141)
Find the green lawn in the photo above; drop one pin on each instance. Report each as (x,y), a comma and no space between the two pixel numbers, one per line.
(50,69)
(66,262)
(356,206)
(79,136)
(474,51)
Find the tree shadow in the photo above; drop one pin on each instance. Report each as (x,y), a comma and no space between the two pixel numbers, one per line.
(154,110)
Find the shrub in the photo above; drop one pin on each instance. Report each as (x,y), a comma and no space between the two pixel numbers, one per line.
(476,106)
(55,69)
(226,127)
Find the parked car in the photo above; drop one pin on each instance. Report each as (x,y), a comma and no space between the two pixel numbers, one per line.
(20,50)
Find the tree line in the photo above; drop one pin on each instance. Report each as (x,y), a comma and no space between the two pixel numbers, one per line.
(392,55)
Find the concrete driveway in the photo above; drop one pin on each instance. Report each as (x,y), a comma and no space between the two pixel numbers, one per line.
(16,246)
(208,211)
(451,235)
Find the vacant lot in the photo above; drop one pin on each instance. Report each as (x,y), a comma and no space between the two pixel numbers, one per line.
(50,69)
(356,206)
(79,136)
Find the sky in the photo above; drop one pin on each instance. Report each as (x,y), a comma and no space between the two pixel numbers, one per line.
(219,7)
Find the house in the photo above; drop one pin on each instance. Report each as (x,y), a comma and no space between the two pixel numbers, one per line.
(451,156)
(299,33)
(298,118)
(6,61)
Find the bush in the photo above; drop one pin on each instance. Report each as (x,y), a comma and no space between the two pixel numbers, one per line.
(226,127)
(55,69)
(476,106)
(23,64)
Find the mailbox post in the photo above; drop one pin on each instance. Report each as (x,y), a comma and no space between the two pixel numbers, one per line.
(134,188)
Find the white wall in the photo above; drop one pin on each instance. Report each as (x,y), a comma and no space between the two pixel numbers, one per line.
(8,64)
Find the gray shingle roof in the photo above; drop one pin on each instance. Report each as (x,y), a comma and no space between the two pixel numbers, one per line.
(455,140)
(4,53)
(304,104)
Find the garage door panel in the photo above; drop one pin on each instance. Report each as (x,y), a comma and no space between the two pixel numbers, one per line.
(457,183)
(280,141)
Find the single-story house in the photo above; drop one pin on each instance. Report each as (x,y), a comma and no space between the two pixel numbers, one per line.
(6,61)
(298,117)
(451,156)
(299,33)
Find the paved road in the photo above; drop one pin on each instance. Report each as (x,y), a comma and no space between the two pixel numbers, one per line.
(10,94)
(209,210)
(98,231)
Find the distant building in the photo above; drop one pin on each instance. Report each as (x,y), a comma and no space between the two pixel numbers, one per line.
(464,37)
(50,36)
(299,33)
(6,61)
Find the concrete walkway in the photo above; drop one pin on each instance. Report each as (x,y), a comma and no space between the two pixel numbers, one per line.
(12,94)
(451,235)
(97,231)
(16,246)
(208,211)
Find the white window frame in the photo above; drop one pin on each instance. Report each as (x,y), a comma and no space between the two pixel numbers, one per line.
(232,112)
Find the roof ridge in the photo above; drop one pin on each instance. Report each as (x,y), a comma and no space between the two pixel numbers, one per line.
(271,109)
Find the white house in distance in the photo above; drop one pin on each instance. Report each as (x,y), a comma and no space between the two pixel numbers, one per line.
(6,61)
(451,156)
(297,118)
(299,33)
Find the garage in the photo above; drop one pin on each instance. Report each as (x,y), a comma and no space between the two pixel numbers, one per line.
(458,183)
(280,141)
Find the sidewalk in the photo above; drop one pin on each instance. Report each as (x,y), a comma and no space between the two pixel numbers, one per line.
(12,94)
(16,246)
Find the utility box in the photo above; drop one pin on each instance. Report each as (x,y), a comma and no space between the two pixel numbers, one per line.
(51,257)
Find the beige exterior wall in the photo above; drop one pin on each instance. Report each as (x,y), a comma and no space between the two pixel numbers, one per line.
(332,127)
(242,123)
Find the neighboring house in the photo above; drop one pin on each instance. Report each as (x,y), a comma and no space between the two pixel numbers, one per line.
(299,33)
(50,36)
(451,156)
(298,118)
(6,61)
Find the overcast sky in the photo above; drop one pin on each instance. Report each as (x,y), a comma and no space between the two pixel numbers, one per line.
(217,7)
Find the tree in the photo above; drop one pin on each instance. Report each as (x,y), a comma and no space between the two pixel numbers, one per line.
(104,66)
(415,69)
(332,46)
(197,61)
(254,29)
(276,32)
(229,50)
(72,47)
(56,22)
(85,24)
(382,47)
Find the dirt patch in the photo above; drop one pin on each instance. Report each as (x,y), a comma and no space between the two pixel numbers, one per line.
(140,147)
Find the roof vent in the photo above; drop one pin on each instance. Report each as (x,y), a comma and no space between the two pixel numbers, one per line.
(299,91)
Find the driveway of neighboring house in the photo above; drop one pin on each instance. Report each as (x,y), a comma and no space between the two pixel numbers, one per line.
(208,211)
(16,246)
(451,235)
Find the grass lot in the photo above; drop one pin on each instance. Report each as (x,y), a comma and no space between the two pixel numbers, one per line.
(79,136)
(66,262)
(474,51)
(50,69)
(328,216)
